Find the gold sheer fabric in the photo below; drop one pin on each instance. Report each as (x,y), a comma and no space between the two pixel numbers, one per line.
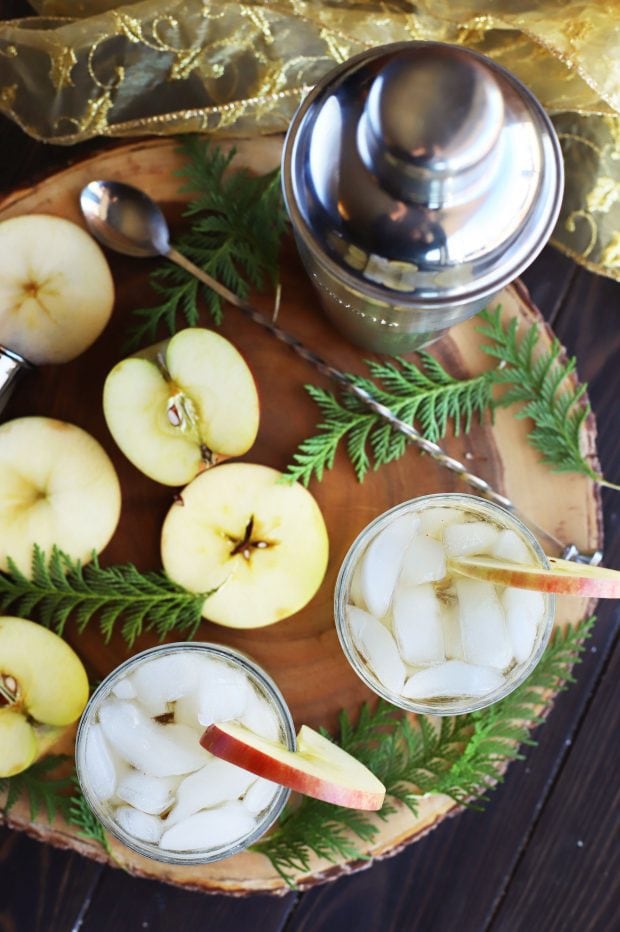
(83,68)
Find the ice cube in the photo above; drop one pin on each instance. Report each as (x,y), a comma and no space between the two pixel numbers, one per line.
(160,750)
(510,547)
(138,824)
(100,764)
(213,828)
(483,625)
(452,632)
(424,561)
(524,613)
(147,793)
(434,520)
(260,795)
(381,563)
(260,718)
(471,537)
(186,710)
(377,646)
(124,689)
(417,624)
(355,592)
(215,783)
(224,692)
(452,679)
(164,679)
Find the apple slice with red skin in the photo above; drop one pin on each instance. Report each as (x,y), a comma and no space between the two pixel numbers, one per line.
(317,768)
(562,577)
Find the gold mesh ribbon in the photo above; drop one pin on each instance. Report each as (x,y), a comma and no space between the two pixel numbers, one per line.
(90,67)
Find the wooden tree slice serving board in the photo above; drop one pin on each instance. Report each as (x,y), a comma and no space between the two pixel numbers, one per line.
(301,653)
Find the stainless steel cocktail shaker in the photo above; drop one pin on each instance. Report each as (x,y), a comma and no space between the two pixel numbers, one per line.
(420,178)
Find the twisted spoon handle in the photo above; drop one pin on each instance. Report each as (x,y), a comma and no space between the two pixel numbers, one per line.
(337,375)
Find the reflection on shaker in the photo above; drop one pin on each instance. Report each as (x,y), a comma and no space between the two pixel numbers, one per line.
(420,178)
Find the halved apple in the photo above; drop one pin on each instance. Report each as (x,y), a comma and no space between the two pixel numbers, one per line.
(43,688)
(260,542)
(182,405)
(562,578)
(57,486)
(56,289)
(317,768)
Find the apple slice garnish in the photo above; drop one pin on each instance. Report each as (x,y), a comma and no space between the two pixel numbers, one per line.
(562,578)
(317,768)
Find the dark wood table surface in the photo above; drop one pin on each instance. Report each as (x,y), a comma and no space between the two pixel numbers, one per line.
(542,856)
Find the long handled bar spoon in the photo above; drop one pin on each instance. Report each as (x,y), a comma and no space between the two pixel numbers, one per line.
(127,220)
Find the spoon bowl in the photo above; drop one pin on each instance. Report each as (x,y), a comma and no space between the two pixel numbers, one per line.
(125,219)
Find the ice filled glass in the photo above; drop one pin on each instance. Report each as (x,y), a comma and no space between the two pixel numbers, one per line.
(143,771)
(424,637)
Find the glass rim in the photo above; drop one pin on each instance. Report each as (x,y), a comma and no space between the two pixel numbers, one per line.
(268,689)
(439,707)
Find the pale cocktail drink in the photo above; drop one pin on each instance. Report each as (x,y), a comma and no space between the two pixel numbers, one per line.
(141,766)
(425,637)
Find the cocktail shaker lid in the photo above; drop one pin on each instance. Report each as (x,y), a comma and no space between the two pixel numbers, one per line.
(422,171)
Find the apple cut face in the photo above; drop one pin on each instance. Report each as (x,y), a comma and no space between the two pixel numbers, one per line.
(260,542)
(56,289)
(43,683)
(57,487)
(183,406)
(18,743)
(50,677)
(318,768)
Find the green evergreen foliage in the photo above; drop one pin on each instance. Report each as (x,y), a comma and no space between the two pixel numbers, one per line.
(426,397)
(236,224)
(60,587)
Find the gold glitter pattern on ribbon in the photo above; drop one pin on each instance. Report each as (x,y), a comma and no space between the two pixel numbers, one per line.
(62,62)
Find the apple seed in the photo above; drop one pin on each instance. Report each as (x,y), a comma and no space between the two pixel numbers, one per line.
(181,413)
(9,690)
(246,545)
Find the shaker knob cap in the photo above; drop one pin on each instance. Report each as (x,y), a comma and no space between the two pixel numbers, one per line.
(431,125)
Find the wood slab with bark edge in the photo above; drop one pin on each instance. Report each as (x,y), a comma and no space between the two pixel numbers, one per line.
(301,653)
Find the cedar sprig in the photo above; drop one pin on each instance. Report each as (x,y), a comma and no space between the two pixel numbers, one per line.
(424,394)
(543,384)
(54,795)
(236,225)
(40,787)
(83,818)
(462,757)
(60,587)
